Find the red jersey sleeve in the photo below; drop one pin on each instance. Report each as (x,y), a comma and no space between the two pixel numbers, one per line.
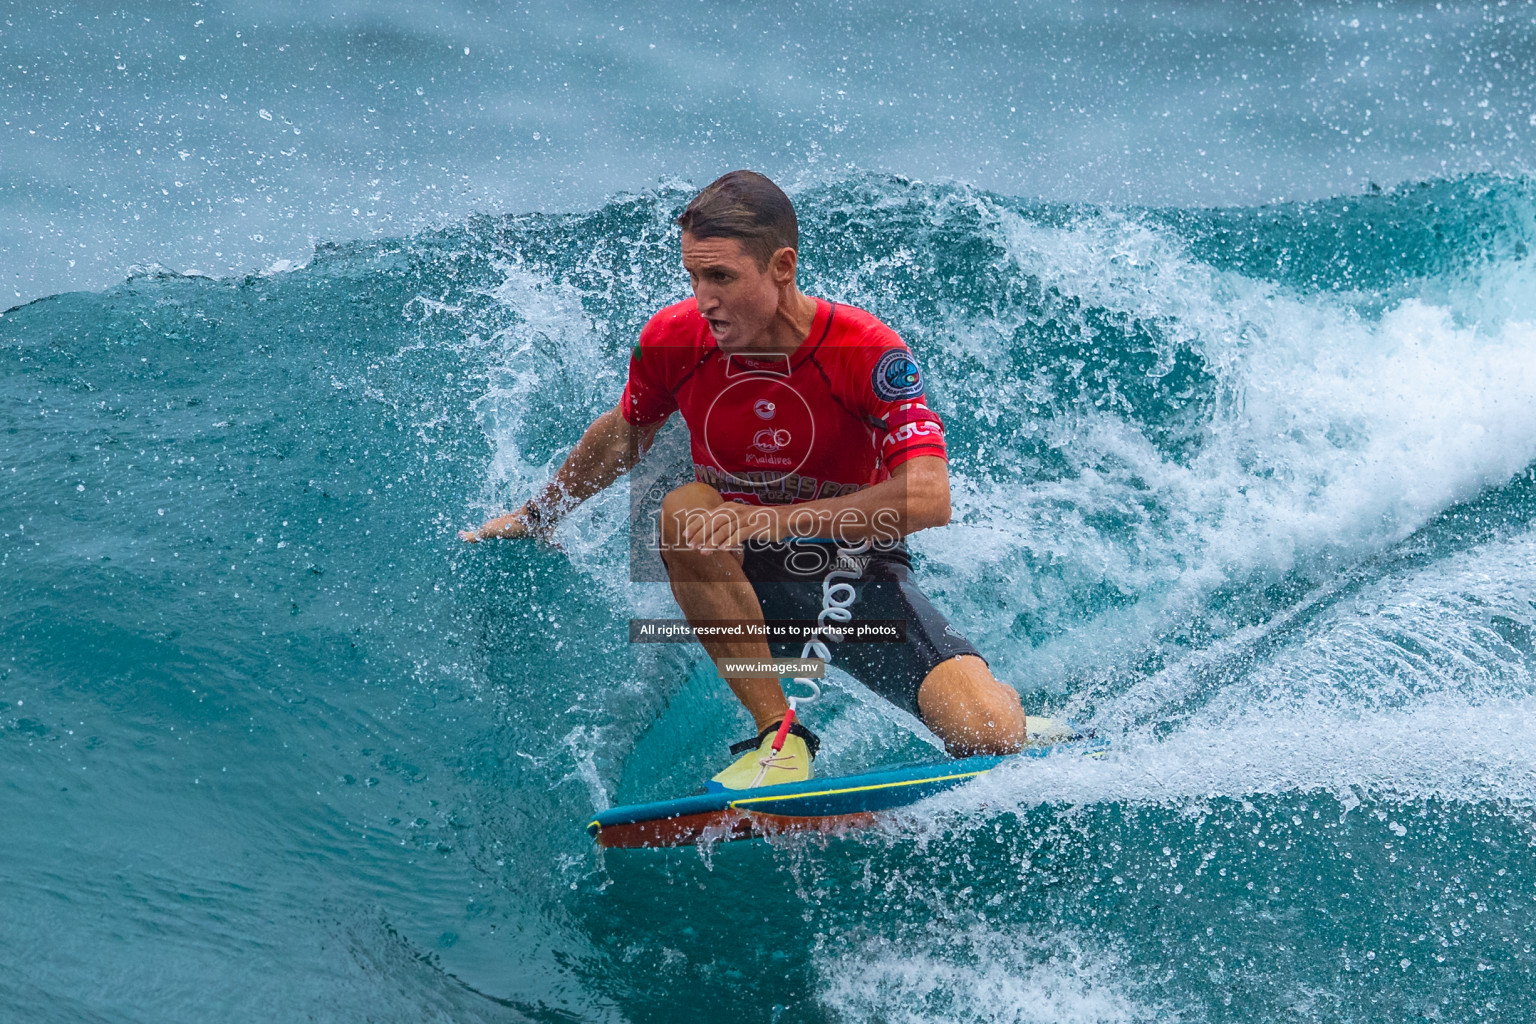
(648,396)
(890,390)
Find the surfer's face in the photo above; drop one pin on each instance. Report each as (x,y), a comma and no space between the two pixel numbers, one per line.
(738,298)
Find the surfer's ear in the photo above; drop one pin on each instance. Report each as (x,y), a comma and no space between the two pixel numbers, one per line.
(782,265)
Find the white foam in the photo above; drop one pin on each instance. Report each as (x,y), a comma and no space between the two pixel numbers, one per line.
(980,975)
(1459,631)
(284,266)
(1333,437)
(1416,686)
(1437,751)
(551,361)
(551,352)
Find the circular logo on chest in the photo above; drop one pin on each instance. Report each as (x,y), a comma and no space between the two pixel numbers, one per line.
(737,441)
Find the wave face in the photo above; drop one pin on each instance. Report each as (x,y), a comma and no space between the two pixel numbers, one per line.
(1251,490)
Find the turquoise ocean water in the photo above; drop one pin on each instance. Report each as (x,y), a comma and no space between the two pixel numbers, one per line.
(1248,486)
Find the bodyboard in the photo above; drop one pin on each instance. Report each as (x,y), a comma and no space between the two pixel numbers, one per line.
(829,806)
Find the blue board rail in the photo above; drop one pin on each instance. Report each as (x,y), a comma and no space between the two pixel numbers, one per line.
(817,805)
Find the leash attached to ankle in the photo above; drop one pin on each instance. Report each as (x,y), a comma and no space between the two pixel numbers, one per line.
(835,601)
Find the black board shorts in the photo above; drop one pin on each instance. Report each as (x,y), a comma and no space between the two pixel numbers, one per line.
(787,578)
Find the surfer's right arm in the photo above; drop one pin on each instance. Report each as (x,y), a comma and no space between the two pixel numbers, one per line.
(605,452)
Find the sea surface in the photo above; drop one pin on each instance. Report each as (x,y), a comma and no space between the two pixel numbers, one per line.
(189,135)
(1246,484)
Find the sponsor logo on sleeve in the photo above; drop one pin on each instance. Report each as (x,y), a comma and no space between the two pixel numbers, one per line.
(907,431)
(896,376)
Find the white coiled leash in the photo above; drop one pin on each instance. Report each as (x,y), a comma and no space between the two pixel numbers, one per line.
(836,600)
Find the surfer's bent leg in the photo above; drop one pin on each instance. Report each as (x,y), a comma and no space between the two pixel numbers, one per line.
(943,678)
(936,674)
(970,710)
(713,586)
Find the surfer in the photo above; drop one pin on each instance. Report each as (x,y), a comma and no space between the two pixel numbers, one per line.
(810,434)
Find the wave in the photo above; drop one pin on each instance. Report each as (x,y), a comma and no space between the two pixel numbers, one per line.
(1250,490)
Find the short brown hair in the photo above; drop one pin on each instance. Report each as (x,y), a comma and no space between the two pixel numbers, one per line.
(746,206)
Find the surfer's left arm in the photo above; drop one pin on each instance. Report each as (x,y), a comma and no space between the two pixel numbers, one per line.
(915,497)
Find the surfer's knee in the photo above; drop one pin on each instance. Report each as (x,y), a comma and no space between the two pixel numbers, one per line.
(691,495)
(682,505)
(970,710)
(691,504)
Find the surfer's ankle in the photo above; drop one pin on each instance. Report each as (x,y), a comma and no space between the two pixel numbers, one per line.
(767,732)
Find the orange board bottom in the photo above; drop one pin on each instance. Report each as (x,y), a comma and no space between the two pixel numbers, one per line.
(723,826)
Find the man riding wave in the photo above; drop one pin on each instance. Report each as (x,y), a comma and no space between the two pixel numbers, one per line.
(809,430)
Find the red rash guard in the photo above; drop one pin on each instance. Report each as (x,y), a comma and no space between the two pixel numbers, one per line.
(835,417)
